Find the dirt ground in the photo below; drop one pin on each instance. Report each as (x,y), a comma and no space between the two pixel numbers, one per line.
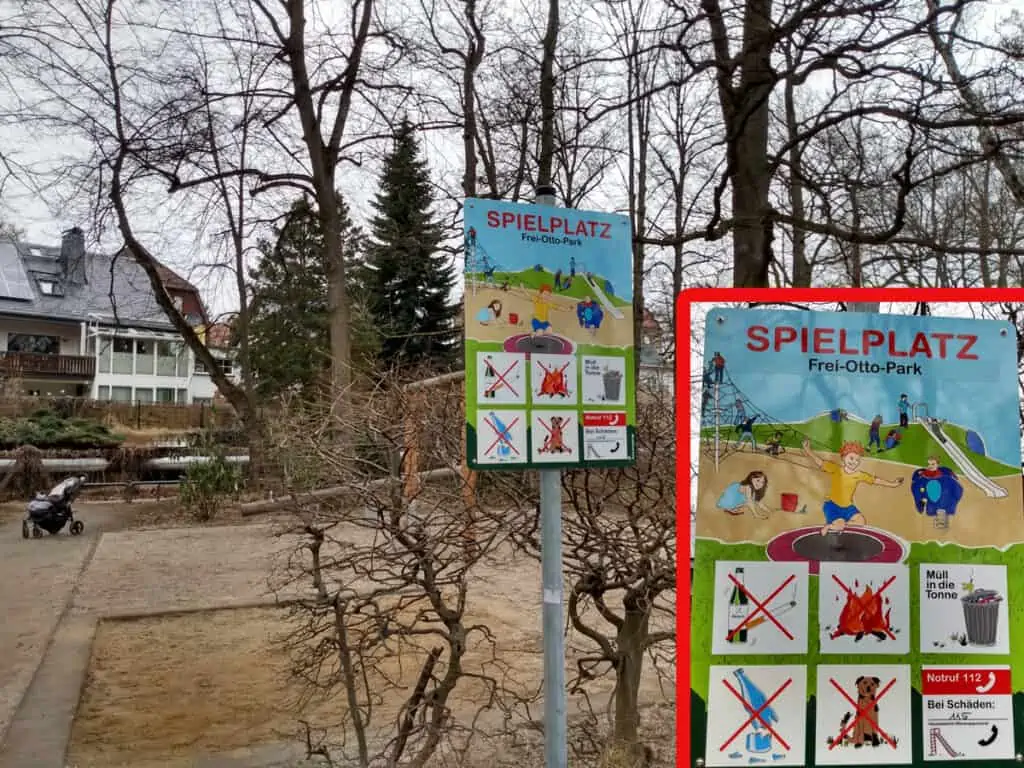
(979,521)
(161,690)
(612,333)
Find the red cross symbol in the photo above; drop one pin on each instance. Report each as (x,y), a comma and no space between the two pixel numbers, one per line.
(853,596)
(549,370)
(761,607)
(862,714)
(502,380)
(556,436)
(755,715)
(503,435)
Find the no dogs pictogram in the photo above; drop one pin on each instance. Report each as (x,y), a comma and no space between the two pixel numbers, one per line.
(863,712)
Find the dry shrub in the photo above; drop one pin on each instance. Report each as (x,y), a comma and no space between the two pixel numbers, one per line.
(383,624)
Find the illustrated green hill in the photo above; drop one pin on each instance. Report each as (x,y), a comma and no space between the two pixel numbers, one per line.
(915,447)
(533,279)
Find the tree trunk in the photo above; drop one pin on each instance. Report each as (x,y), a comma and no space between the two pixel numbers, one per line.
(630,639)
(546,159)
(752,253)
(801,267)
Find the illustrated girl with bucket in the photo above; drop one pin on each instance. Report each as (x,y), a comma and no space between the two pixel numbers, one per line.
(746,494)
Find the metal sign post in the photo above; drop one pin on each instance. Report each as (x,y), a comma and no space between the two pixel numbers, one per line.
(555,727)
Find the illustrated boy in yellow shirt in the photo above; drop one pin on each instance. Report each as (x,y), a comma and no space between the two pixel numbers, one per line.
(542,307)
(845,476)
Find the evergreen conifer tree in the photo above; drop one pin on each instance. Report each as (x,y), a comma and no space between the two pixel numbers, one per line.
(409,279)
(289,341)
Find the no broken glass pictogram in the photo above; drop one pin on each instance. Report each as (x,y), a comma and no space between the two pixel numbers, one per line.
(863,715)
(502,437)
(760,608)
(756,714)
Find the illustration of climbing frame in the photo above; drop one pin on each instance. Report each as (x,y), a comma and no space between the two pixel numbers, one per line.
(967,713)
(757,714)
(760,608)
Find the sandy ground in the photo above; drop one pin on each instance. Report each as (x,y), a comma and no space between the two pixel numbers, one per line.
(980,520)
(612,333)
(161,690)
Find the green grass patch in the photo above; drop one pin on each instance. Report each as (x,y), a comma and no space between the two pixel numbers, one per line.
(533,279)
(46,429)
(915,447)
(709,552)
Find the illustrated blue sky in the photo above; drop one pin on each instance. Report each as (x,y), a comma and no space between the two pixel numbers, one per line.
(610,258)
(978,394)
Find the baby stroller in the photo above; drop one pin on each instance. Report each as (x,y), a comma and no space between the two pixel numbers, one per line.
(51,511)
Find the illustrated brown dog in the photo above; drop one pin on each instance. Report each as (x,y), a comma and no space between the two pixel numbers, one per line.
(865,732)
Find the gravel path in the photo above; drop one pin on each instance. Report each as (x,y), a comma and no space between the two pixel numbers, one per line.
(37,578)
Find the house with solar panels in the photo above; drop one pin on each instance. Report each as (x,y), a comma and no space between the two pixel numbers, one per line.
(80,324)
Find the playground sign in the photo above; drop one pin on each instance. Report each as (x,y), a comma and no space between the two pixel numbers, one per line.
(549,337)
(876,457)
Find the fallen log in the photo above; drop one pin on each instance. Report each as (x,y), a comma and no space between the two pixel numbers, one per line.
(264,506)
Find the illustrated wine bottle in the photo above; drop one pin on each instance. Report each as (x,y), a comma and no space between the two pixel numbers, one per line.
(739,609)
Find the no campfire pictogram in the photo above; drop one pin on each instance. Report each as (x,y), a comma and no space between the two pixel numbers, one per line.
(756,715)
(859,601)
(761,607)
(863,713)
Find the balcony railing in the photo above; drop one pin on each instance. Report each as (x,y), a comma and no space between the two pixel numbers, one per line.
(34,364)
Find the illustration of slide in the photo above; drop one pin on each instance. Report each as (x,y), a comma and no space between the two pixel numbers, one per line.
(964,464)
(612,309)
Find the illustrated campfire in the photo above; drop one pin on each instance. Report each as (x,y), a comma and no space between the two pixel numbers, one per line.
(554,382)
(866,612)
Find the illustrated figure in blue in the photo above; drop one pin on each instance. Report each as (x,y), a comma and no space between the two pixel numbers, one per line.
(708,383)
(746,494)
(837,415)
(589,314)
(892,439)
(875,433)
(572,266)
(903,404)
(936,488)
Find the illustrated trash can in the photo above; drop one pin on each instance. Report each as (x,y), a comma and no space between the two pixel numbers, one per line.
(981,616)
(612,385)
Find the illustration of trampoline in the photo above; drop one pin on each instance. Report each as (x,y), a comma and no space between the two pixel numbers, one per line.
(856,544)
(547,344)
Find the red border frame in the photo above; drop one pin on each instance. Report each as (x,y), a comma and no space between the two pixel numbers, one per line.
(684,372)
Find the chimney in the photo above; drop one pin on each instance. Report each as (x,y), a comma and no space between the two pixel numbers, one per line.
(72,257)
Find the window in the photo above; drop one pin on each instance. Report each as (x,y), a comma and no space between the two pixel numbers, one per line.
(164,395)
(200,368)
(182,398)
(167,358)
(121,394)
(103,358)
(104,392)
(144,357)
(144,395)
(49,287)
(123,357)
(227,366)
(27,342)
